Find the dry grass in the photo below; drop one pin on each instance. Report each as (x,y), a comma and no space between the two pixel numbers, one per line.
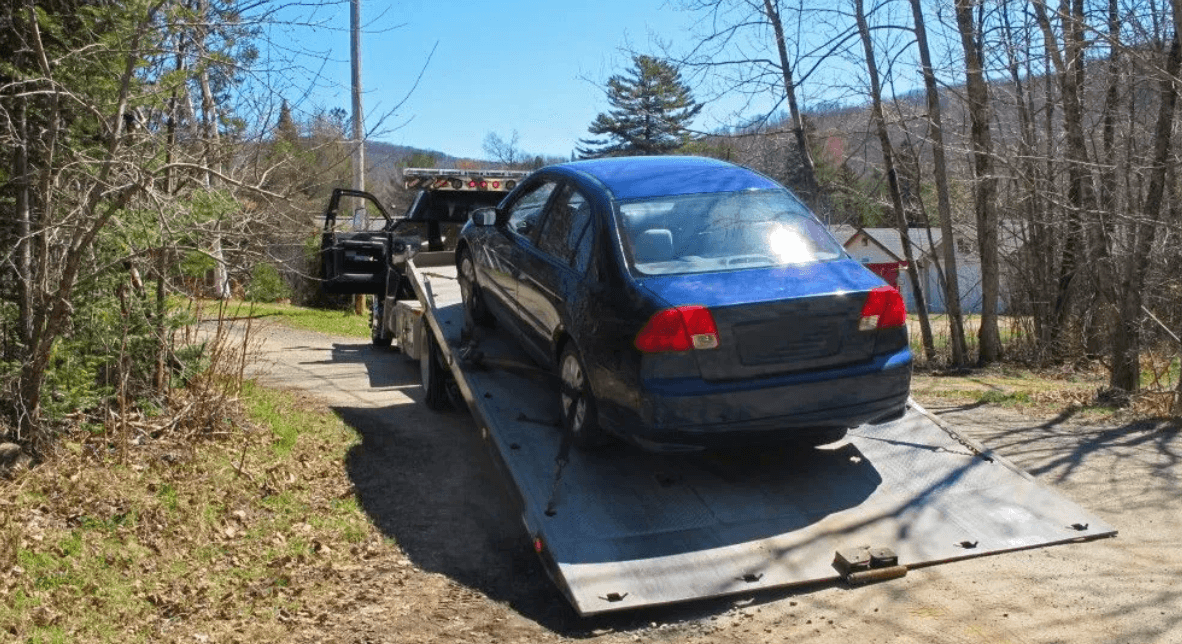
(215,520)
(1041,392)
(226,538)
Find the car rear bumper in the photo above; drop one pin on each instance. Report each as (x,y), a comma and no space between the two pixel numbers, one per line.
(704,414)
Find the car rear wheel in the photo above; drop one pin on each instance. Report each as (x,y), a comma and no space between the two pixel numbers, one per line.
(579,417)
(475,311)
(432,374)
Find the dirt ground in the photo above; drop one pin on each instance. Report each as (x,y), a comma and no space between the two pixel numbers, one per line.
(460,567)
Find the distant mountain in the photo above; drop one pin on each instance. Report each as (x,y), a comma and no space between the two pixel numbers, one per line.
(381,154)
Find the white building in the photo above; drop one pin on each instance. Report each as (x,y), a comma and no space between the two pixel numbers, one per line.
(881,250)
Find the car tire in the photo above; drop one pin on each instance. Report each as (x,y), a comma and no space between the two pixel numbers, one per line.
(580,418)
(375,323)
(432,374)
(475,310)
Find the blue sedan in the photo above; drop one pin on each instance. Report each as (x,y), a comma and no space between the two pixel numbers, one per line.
(686,302)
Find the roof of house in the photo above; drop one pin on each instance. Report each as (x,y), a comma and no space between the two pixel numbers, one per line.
(843,232)
(1011,236)
(892,241)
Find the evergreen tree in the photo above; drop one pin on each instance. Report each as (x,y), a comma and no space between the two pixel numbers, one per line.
(651,109)
(286,129)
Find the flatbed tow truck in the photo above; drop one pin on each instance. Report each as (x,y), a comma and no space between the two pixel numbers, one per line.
(623,528)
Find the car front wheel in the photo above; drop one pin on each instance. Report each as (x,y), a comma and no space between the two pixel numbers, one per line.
(579,417)
(475,311)
(377,332)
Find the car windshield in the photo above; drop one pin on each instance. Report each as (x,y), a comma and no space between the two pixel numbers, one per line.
(708,232)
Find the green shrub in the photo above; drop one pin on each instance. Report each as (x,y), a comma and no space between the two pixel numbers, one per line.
(196,265)
(266,285)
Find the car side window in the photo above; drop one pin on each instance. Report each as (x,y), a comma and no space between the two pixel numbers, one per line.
(565,224)
(583,236)
(526,212)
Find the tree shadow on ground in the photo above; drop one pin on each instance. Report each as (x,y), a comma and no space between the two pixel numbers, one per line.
(426,481)
(1055,450)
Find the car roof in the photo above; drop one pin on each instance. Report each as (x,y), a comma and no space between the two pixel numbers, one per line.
(658,176)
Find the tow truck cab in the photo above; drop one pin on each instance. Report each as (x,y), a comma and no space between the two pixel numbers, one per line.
(363,255)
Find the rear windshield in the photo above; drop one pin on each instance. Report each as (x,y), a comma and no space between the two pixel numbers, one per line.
(717,231)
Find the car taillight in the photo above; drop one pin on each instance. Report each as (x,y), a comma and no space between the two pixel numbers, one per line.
(883,309)
(678,329)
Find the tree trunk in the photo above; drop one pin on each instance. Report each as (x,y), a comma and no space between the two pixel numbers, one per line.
(160,377)
(808,172)
(1036,260)
(985,184)
(888,162)
(943,200)
(24,248)
(1126,352)
(1069,66)
(209,122)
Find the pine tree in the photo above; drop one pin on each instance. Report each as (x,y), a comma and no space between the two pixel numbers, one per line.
(286,129)
(651,110)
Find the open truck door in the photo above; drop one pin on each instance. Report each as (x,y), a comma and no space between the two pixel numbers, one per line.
(362,255)
(353,253)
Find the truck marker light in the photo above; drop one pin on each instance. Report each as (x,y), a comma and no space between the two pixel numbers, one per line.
(496,185)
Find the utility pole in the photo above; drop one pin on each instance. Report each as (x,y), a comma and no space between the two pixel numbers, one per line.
(360,218)
(358,116)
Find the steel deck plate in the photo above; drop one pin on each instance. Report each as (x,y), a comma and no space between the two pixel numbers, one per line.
(636,529)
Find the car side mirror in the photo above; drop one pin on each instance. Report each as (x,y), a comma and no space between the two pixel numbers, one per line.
(484,216)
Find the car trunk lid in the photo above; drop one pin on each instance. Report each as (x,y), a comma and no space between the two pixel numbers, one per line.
(780,320)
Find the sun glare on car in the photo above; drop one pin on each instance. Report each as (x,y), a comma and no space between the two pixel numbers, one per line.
(789,246)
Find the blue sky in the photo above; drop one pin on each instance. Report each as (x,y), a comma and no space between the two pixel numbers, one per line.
(532,66)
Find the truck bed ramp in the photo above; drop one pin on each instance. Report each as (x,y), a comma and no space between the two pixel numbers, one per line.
(629,528)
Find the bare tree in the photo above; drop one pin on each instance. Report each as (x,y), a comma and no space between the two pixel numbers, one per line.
(507,152)
(1126,365)
(749,46)
(984,185)
(943,200)
(888,162)
(808,170)
(1068,63)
